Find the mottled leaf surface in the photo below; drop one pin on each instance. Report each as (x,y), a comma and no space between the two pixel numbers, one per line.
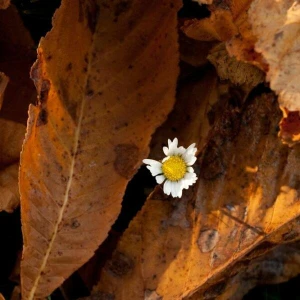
(248,188)
(106,77)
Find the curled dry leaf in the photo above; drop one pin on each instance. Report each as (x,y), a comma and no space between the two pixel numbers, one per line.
(222,23)
(228,67)
(248,188)
(98,107)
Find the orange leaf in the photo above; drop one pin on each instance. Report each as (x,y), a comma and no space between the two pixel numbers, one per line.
(106,76)
(247,190)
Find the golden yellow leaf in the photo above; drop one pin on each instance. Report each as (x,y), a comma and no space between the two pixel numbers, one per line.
(248,188)
(106,77)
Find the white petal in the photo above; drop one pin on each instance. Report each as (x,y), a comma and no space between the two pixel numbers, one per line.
(189,176)
(191,160)
(160,179)
(179,151)
(173,189)
(189,179)
(155,170)
(179,193)
(167,187)
(166,151)
(172,146)
(178,189)
(191,148)
(190,169)
(151,162)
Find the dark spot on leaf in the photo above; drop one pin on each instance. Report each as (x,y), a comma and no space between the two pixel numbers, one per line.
(120,264)
(75,224)
(91,12)
(70,106)
(43,90)
(69,66)
(126,159)
(42,118)
(89,93)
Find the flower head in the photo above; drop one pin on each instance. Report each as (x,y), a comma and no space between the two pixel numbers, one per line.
(175,169)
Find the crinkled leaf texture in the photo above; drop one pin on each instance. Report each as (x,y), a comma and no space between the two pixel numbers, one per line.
(276,26)
(248,188)
(106,76)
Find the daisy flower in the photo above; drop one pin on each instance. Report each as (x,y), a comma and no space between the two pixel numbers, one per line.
(175,169)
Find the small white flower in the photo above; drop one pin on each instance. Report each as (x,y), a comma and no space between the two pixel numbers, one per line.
(175,169)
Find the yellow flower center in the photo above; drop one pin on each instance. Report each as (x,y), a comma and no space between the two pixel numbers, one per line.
(174,168)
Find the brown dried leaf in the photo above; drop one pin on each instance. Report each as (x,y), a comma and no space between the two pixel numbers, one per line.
(11,139)
(222,23)
(238,72)
(9,189)
(248,188)
(276,27)
(16,57)
(277,266)
(4,4)
(98,107)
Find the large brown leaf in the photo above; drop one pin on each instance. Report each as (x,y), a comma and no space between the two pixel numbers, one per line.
(248,188)
(106,77)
